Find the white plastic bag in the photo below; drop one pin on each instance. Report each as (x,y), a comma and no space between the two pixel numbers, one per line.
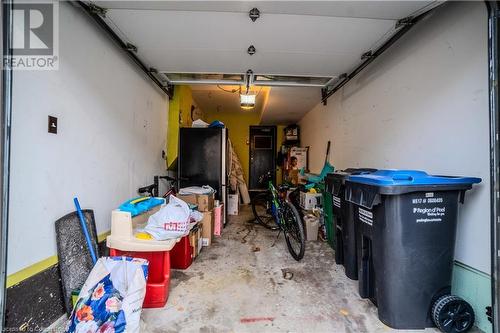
(199,123)
(205,189)
(195,216)
(171,221)
(111,298)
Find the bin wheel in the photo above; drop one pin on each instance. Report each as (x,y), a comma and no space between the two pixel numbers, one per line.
(451,314)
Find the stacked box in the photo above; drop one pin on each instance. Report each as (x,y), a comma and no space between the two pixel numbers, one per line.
(208,228)
(195,240)
(204,202)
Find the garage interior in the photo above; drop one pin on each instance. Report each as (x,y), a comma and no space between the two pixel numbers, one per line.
(401,85)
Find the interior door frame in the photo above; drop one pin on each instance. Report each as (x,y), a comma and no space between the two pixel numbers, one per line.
(275,135)
(493,69)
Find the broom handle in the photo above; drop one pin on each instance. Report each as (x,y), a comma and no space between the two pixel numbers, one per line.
(327,152)
(85,231)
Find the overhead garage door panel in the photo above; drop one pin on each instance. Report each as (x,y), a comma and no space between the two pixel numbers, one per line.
(239,62)
(361,9)
(195,41)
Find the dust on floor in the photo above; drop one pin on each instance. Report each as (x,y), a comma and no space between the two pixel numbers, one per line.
(248,282)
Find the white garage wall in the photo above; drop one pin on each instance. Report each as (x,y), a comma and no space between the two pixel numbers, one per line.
(422,105)
(112,129)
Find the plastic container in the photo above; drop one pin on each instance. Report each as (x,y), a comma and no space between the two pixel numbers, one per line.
(310,201)
(218,219)
(122,242)
(345,229)
(312,227)
(233,204)
(139,205)
(158,281)
(123,229)
(181,255)
(407,222)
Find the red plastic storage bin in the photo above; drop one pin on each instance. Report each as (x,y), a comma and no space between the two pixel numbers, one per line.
(181,256)
(158,275)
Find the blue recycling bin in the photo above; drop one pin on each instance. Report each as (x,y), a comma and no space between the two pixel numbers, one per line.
(406,225)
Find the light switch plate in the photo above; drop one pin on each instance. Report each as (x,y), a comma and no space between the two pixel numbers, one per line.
(52,124)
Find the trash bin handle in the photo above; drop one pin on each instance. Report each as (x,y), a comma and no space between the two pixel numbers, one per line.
(403,177)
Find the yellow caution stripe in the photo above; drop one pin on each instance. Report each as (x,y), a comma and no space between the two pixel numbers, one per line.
(40,266)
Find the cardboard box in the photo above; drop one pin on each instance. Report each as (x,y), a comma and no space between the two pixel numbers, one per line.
(233,204)
(200,240)
(205,202)
(195,240)
(208,228)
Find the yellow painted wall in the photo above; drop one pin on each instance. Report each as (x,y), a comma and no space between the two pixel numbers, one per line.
(179,115)
(238,123)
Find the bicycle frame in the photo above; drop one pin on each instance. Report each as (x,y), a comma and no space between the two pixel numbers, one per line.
(276,204)
(153,189)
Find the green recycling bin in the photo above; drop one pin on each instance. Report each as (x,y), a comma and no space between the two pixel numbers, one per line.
(328,214)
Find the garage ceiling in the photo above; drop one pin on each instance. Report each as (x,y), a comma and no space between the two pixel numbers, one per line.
(277,105)
(297,38)
(211,98)
(287,105)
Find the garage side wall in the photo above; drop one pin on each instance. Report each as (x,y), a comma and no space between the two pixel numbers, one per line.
(423,105)
(112,125)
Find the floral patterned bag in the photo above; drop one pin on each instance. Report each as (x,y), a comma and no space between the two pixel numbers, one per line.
(111,299)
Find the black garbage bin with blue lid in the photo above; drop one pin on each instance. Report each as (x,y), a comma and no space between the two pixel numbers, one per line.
(345,247)
(406,225)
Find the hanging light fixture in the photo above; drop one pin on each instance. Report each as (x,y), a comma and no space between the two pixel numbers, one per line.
(247,100)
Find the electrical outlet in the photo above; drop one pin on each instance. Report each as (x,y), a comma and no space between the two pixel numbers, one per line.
(52,125)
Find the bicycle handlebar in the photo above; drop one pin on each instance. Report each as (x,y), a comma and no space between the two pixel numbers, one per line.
(147,189)
(170,179)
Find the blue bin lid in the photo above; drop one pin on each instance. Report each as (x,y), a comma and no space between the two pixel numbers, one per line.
(408,178)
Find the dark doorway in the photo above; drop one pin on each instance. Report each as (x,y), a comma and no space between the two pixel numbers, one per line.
(262,154)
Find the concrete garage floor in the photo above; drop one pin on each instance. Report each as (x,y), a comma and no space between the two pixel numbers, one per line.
(238,285)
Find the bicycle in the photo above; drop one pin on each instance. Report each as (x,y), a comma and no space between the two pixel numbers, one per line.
(153,189)
(272,209)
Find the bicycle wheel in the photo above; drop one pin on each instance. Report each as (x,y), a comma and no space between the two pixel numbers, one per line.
(261,207)
(294,231)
